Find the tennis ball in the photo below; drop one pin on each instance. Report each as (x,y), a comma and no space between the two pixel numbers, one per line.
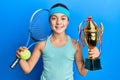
(25,54)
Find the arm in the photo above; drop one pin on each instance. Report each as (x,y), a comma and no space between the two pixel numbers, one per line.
(93,53)
(28,65)
(79,60)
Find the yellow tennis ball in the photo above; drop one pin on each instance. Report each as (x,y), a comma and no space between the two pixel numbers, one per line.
(25,54)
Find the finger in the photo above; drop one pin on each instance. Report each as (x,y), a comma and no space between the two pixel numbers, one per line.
(93,49)
(91,52)
(22,48)
(90,56)
(18,54)
(95,55)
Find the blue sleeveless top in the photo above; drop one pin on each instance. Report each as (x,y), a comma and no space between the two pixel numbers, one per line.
(58,61)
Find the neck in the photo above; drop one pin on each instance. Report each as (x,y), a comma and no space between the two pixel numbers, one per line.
(59,37)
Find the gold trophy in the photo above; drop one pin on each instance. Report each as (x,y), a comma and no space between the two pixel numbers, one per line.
(92,34)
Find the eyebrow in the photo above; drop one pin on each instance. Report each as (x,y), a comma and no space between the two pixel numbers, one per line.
(61,16)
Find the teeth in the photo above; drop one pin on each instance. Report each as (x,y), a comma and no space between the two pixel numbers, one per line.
(58,27)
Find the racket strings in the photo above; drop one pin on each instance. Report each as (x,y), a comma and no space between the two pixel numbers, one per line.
(39,27)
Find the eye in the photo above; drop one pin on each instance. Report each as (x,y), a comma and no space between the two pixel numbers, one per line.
(64,18)
(53,18)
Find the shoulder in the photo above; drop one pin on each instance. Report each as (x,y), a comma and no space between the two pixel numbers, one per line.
(74,41)
(76,44)
(40,45)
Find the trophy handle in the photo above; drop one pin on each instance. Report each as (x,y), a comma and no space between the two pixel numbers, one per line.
(80,31)
(101,33)
(101,28)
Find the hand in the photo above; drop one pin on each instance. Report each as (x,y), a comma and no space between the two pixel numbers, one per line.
(22,48)
(94,53)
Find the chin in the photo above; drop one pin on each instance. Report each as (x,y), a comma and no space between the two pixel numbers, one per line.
(59,31)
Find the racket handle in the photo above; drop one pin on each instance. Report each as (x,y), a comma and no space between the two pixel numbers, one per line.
(14,63)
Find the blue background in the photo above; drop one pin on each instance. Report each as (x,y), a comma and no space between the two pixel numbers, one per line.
(14,21)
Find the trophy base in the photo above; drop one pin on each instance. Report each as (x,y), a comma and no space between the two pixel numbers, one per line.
(93,64)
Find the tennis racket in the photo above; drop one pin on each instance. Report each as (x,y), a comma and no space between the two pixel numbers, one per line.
(39,30)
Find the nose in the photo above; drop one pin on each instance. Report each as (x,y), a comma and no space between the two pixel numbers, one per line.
(58,21)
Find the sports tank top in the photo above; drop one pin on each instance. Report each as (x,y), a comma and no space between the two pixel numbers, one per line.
(58,61)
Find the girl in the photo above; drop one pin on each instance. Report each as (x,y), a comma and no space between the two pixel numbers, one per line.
(58,51)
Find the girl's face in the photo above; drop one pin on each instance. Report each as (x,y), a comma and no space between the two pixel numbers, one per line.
(59,22)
